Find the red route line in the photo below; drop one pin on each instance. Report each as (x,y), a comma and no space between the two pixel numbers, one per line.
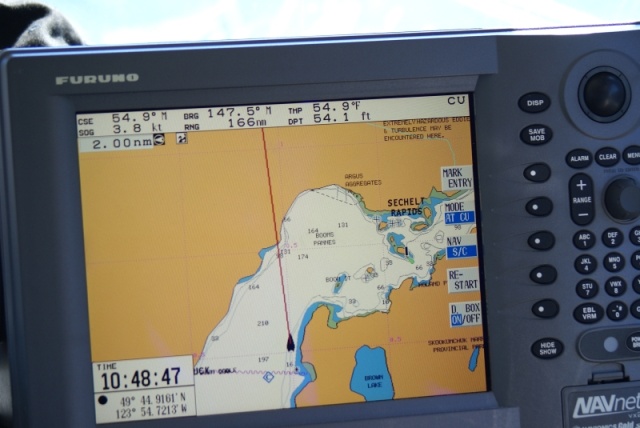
(275,230)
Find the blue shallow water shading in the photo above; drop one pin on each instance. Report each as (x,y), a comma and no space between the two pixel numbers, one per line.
(431,202)
(397,242)
(298,342)
(371,377)
(261,254)
(264,251)
(341,279)
(473,361)
(417,283)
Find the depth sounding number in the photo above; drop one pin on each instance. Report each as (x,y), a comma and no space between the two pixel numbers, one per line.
(140,379)
(153,388)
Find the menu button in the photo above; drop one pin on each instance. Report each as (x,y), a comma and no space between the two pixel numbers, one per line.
(631,155)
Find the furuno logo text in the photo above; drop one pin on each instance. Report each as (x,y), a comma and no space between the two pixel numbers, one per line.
(600,405)
(93,79)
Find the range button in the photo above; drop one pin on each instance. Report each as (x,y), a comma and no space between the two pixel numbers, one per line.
(548,348)
(581,199)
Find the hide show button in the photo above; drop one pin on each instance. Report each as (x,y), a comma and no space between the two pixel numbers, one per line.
(633,341)
(547,348)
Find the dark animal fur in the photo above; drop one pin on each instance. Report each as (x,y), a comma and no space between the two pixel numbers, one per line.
(34,24)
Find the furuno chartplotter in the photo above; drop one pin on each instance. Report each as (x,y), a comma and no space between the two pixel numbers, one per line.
(415,230)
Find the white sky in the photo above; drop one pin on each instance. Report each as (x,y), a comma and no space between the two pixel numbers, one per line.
(142,21)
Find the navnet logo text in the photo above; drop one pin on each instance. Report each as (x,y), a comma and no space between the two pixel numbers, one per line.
(93,79)
(601,405)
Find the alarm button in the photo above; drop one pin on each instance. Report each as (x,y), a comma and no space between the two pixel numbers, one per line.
(579,158)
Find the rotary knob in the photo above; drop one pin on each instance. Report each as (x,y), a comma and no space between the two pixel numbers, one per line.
(622,199)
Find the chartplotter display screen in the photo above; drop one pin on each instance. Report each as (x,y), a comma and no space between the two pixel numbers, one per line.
(275,256)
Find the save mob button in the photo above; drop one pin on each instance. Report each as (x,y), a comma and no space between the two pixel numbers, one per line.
(536,135)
